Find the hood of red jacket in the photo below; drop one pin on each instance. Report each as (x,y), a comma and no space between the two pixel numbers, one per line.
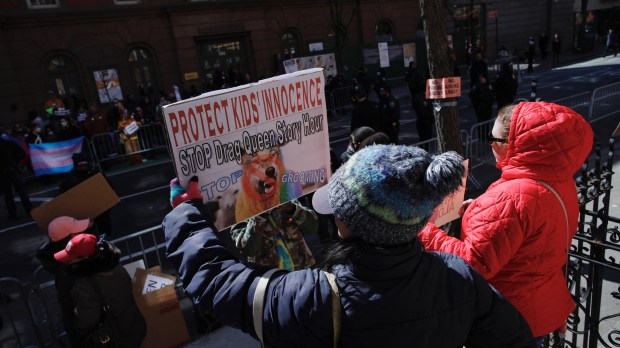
(547,142)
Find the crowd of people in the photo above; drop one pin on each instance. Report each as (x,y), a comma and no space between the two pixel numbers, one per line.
(392,277)
(388,276)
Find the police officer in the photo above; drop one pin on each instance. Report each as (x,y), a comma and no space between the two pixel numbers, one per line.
(391,113)
(365,112)
(10,177)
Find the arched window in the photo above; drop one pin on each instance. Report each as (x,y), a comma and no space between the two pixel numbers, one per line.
(290,43)
(63,79)
(143,72)
(384,31)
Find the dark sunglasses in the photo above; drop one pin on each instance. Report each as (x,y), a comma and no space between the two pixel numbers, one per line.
(493,139)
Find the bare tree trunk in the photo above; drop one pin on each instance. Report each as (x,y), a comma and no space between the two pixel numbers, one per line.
(441,64)
(340,25)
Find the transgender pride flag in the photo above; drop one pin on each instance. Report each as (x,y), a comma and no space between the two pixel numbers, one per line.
(54,158)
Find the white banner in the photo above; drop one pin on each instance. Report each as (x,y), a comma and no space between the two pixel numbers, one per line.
(384,55)
(325,61)
(253,147)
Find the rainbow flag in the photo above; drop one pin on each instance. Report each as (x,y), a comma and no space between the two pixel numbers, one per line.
(54,158)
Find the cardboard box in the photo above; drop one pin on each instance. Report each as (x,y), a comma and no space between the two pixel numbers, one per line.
(87,200)
(156,297)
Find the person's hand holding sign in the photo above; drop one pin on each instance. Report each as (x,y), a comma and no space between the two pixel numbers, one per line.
(464,206)
(179,195)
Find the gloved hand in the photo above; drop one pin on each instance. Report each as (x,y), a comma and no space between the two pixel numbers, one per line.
(179,195)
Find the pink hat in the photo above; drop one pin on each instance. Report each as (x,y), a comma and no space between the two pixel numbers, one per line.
(82,245)
(64,226)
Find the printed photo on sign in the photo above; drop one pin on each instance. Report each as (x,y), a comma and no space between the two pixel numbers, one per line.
(108,85)
(253,147)
(325,61)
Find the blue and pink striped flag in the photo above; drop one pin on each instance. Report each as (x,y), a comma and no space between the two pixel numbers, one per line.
(54,158)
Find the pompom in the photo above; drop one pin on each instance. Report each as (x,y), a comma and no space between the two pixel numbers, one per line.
(445,173)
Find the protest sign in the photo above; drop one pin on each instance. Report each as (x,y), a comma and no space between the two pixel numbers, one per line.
(326,61)
(448,210)
(131,128)
(384,55)
(448,87)
(257,145)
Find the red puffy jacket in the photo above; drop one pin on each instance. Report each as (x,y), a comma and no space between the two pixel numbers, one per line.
(515,233)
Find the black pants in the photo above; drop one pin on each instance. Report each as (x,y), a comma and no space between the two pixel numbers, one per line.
(610,48)
(7,185)
(424,119)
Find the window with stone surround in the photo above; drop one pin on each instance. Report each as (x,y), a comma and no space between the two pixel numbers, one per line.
(127,2)
(42,4)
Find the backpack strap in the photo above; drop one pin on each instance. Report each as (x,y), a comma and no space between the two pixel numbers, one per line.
(336,310)
(555,193)
(258,303)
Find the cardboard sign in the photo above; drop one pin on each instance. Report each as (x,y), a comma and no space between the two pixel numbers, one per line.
(132,266)
(79,202)
(131,128)
(154,282)
(448,87)
(448,210)
(253,147)
(408,53)
(165,324)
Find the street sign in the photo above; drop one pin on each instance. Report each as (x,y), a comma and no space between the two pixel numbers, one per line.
(448,87)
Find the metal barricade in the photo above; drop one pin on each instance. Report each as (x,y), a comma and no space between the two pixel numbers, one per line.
(152,137)
(147,245)
(107,147)
(430,145)
(20,326)
(46,305)
(578,102)
(604,102)
(400,87)
(479,151)
(341,99)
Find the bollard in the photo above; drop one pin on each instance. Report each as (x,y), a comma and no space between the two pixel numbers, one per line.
(533,93)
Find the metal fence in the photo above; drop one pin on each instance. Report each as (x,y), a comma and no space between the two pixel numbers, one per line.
(27,318)
(579,102)
(340,99)
(594,261)
(604,102)
(109,147)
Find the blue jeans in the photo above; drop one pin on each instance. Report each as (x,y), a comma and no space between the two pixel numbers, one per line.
(539,340)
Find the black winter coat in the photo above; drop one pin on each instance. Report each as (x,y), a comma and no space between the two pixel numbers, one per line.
(367,113)
(399,297)
(115,285)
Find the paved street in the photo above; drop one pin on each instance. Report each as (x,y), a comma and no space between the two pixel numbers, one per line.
(144,189)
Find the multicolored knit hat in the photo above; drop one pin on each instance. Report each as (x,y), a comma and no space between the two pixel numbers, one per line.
(386,193)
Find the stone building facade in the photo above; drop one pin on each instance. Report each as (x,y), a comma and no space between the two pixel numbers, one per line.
(145,47)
